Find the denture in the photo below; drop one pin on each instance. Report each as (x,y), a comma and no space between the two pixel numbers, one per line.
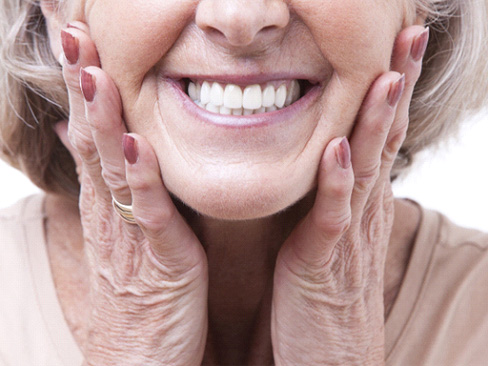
(232,99)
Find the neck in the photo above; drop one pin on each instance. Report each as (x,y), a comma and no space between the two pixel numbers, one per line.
(241,257)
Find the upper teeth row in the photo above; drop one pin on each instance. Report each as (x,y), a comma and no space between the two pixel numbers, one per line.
(253,97)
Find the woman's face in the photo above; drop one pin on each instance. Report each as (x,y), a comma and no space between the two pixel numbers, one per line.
(241,167)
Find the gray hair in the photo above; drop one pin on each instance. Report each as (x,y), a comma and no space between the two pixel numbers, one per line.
(454,80)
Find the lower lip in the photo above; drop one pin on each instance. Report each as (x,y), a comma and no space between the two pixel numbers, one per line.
(255,120)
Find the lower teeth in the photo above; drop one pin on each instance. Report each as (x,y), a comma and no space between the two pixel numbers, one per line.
(237,111)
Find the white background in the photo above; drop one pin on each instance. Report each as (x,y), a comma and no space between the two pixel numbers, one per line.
(453,179)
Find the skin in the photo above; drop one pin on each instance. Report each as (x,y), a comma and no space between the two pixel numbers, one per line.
(315,291)
(205,166)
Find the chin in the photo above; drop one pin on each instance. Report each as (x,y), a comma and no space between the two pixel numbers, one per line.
(228,200)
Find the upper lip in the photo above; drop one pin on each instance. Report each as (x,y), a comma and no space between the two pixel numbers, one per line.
(246,79)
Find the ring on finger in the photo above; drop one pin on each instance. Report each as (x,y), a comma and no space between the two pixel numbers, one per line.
(124,211)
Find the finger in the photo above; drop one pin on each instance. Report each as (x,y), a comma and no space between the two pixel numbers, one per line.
(330,216)
(409,50)
(103,110)
(79,51)
(173,243)
(369,136)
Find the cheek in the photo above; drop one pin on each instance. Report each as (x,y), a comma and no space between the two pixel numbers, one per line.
(356,37)
(133,35)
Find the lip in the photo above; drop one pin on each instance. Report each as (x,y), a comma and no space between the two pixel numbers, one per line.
(248,79)
(255,120)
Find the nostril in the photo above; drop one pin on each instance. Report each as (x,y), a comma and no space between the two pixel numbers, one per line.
(268,28)
(215,33)
(237,23)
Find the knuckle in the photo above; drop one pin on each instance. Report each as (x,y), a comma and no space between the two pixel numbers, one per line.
(90,158)
(98,224)
(339,225)
(137,183)
(72,80)
(372,225)
(365,180)
(155,224)
(379,126)
(389,153)
(392,147)
(412,78)
(400,126)
(388,198)
(120,191)
(395,141)
(339,188)
(83,144)
(332,224)
(114,177)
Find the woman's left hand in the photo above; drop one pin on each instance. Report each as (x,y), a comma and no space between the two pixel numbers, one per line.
(327,306)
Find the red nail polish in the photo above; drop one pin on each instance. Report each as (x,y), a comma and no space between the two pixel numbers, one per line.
(130,149)
(396,91)
(419,45)
(87,83)
(71,47)
(343,154)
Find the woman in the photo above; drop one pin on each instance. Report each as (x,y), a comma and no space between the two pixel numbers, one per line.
(234,161)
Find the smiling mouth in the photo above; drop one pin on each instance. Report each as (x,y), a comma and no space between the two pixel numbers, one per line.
(245,100)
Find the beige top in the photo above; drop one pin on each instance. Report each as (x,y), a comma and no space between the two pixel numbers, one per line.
(440,317)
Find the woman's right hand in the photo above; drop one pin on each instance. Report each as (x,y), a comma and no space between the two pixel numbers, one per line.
(148,281)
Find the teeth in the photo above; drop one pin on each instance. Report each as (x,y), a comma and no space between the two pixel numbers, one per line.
(232,100)
(232,96)
(205,93)
(252,97)
(192,92)
(293,94)
(212,108)
(198,91)
(225,110)
(217,94)
(280,96)
(269,96)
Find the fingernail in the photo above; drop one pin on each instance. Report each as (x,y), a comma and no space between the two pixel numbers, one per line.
(71,47)
(87,83)
(343,154)
(130,149)
(419,45)
(396,91)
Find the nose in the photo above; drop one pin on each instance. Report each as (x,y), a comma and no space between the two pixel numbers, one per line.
(242,23)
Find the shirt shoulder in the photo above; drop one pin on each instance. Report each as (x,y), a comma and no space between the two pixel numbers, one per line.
(455,236)
(444,315)
(31,321)
(26,209)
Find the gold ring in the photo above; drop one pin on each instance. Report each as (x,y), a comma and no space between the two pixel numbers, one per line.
(124,211)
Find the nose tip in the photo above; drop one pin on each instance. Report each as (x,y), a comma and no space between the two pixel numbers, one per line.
(239,23)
